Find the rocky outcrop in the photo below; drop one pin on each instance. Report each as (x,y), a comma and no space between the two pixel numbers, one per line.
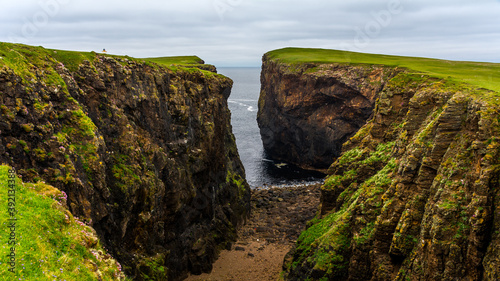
(415,193)
(144,152)
(307,111)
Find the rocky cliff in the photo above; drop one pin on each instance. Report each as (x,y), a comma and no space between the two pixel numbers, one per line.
(144,152)
(312,110)
(415,193)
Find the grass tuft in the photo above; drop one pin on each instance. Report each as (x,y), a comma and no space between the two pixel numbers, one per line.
(51,243)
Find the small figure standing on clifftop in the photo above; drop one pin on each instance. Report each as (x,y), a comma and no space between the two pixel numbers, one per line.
(104,51)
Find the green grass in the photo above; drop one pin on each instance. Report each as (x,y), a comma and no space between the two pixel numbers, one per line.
(19,57)
(72,59)
(51,243)
(381,154)
(482,74)
(179,60)
(22,58)
(331,237)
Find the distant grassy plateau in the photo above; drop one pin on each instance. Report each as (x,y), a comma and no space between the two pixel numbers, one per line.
(482,74)
(180,60)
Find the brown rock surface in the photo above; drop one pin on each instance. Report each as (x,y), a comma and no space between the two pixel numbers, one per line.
(313,109)
(145,153)
(414,195)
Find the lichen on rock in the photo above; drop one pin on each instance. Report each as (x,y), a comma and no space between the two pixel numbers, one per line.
(144,151)
(414,192)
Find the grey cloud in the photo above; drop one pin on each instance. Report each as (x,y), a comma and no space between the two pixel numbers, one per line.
(238,32)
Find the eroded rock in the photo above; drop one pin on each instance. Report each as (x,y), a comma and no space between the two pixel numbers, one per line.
(145,153)
(307,111)
(414,194)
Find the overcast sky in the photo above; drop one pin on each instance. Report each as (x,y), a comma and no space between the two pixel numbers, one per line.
(238,32)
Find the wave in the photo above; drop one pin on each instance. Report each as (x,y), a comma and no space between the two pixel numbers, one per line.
(239,102)
(244,100)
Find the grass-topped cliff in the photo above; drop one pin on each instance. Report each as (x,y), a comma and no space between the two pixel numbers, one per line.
(177,60)
(72,59)
(182,61)
(482,74)
(143,150)
(51,242)
(414,193)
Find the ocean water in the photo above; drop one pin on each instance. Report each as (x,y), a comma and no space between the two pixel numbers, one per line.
(260,169)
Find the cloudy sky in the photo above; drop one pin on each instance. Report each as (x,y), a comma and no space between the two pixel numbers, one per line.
(238,32)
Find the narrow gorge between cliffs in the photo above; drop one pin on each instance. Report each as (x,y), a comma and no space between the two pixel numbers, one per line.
(261,170)
(136,174)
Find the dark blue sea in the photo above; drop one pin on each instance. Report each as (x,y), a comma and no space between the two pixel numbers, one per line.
(260,169)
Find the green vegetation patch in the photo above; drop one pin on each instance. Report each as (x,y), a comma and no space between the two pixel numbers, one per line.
(377,184)
(125,173)
(51,244)
(72,59)
(189,64)
(23,59)
(153,268)
(178,60)
(382,153)
(482,74)
(353,159)
(325,244)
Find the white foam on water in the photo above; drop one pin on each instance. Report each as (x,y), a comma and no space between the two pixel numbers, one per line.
(239,102)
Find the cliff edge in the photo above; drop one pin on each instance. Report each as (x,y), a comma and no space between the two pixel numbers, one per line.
(144,151)
(414,194)
(312,110)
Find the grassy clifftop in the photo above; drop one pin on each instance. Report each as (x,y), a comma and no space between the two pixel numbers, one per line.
(51,243)
(179,60)
(482,74)
(12,55)
(132,143)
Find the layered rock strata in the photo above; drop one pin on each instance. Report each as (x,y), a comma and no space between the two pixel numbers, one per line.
(145,152)
(307,111)
(415,193)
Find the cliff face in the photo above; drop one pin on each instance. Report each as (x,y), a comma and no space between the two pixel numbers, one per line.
(415,194)
(312,109)
(144,152)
